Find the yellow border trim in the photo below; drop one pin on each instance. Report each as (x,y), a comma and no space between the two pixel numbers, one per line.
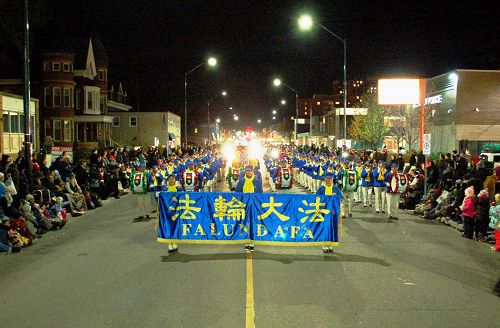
(247,241)
(250,308)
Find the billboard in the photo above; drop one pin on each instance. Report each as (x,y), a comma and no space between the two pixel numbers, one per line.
(398,91)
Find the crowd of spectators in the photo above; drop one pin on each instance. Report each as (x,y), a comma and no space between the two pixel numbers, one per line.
(63,187)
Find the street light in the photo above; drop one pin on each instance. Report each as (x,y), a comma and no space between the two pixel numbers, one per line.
(283,101)
(236,117)
(274,117)
(211,62)
(305,23)
(274,111)
(222,94)
(277,83)
(259,121)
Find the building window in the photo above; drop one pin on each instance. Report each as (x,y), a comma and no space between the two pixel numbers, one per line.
(80,131)
(57,130)
(102,75)
(14,123)
(46,67)
(21,124)
(47,96)
(6,123)
(66,67)
(77,99)
(67,97)
(116,122)
(48,128)
(101,104)
(56,67)
(57,97)
(90,100)
(67,130)
(133,121)
(71,67)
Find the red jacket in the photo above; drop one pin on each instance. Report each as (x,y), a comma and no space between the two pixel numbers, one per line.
(469,207)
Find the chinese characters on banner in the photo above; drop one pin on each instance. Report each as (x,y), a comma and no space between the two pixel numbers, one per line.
(237,218)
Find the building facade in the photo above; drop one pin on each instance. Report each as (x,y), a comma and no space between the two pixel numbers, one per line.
(146,128)
(465,110)
(12,116)
(74,92)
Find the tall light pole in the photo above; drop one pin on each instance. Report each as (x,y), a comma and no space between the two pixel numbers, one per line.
(27,98)
(305,23)
(222,94)
(278,83)
(211,62)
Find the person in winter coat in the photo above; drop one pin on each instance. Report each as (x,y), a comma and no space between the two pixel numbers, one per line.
(495,222)
(468,208)
(482,218)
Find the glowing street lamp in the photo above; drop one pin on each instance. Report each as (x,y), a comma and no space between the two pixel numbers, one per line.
(222,94)
(274,112)
(236,117)
(277,83)
(283,101)
(211,62)
(305,23)
(259,121)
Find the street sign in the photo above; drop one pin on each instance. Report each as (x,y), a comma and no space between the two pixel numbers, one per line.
(427,144)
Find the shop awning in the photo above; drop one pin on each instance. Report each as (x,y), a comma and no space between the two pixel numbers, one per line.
(171,137)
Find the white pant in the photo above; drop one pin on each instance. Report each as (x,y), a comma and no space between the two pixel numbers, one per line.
(379,198)
(171,247)
(272,185)
(144,202)
(367,195)
(393,204)
(349,199)
(358,195)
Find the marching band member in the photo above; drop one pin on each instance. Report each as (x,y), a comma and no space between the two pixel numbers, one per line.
(284,176)
(359,168)
(393,192)
(155,182)
(379,186)
(139,186)
(350,183)
(249,183)
(367,184)
(191,180)
(172,186)
(233,174)
(329,189)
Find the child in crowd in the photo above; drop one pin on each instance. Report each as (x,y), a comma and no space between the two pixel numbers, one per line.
(482,218)
(495,222)
(468,208)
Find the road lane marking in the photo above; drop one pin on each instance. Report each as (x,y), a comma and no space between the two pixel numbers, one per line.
(250,310)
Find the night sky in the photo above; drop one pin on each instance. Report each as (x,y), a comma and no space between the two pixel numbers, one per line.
(151,44)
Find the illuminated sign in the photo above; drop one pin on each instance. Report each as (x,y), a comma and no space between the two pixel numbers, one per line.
(398,91)
(434,100)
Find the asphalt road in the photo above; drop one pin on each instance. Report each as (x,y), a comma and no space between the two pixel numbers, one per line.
(105,269)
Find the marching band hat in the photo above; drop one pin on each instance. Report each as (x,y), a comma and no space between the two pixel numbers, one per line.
(394,165)
(249,168)
(381,162)
(142,165)
(329,176)
(189,162)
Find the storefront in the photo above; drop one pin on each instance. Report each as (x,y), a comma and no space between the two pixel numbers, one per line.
(464,108)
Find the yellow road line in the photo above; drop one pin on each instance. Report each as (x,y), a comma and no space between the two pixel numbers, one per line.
(250,310)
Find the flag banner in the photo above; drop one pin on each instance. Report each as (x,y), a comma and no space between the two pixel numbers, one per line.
(239,218)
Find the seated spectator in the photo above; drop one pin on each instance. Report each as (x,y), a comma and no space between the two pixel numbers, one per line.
(75,196)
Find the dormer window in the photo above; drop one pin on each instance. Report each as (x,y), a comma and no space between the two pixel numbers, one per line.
(102,75)
(56,67)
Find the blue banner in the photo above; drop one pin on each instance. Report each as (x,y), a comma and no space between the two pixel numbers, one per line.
(238,218)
